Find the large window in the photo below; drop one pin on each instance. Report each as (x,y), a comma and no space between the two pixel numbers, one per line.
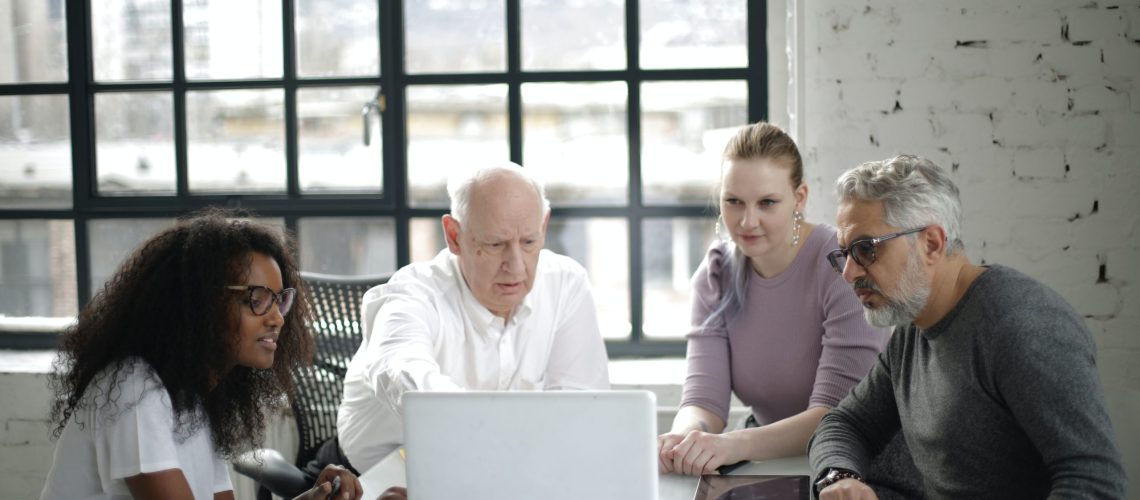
(341,120)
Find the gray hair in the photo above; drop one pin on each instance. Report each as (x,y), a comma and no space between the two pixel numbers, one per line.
(913,190)
(459,188)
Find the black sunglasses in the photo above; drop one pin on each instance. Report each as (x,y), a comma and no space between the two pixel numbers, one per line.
(261,298)
(863,251)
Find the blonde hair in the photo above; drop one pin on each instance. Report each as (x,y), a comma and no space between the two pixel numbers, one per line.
(756,141)
(762,140)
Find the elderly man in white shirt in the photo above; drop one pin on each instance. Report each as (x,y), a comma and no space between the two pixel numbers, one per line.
(493,311)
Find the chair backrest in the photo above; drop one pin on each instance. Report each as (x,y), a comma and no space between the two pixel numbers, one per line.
(334,302)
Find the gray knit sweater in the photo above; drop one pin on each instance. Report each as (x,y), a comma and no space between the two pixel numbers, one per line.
(999,399)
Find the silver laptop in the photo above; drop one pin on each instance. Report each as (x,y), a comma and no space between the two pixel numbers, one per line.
(531,445)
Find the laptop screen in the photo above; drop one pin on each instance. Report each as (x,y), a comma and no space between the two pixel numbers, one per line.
(551,445)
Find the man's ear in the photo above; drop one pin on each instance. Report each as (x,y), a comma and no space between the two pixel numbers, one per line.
(451,233)
(545,222)
(933,241)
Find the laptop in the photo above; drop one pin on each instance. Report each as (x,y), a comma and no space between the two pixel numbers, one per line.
(528,445)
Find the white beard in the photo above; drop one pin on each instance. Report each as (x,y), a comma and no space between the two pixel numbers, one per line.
(913,292)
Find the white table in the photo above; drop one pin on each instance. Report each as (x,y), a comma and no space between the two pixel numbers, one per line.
(677,487)
(390,471)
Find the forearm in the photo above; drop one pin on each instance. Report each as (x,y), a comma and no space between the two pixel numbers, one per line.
(693,417)
(785,438)
(837,443)
(165,484)
(399,376)
(404,360)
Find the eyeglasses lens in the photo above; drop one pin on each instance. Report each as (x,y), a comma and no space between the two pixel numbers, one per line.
(286,300)
(837,260)
(863,252)
(261,299)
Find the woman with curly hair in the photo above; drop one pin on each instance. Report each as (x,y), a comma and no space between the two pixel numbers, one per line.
(170,369)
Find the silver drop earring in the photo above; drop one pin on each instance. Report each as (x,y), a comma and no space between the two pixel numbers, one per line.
(797,222)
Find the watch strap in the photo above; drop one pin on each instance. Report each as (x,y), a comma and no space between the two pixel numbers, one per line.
(832,475)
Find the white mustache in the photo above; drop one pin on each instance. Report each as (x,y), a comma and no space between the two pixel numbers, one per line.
(866,283)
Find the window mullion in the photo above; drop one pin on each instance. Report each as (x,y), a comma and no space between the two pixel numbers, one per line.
(178,51)
(289,67)
(82,129)
(395,135)
(757,60)
(633,132)
(514,81)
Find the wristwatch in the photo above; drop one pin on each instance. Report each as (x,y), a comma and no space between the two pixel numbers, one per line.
(833,475)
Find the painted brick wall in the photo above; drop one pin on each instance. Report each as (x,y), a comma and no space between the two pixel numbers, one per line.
(1035,107)
(26,445)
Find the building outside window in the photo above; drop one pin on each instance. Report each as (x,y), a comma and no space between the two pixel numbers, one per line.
(341,120)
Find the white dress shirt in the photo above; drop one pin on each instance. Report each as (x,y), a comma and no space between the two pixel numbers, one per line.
(425,331)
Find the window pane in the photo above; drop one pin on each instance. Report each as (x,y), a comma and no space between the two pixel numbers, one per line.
(134,143)
(34,41)
(684,128)
(332,155)
(671,251)
(426,234)
(236,140)
(347,245)
(338,38)
(35,152)
(131,39)
(588,34)
(574,136)
(601,245)
(694,34)
(449,127)
(112,240)
(232,40)
(37,269)
(455,36)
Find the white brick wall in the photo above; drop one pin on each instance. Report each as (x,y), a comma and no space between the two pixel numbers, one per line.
(1036,104)
(25,436)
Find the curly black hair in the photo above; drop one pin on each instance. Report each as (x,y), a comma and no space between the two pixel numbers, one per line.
(168,306)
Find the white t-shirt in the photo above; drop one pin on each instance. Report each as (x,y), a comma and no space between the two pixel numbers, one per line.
(105,443)
(425,331)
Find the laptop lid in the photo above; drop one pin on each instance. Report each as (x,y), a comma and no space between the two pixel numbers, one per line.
(526,445)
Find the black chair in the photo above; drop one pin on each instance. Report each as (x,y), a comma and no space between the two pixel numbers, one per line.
(335,325)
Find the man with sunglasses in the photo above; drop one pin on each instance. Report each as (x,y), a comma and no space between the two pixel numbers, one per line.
(990,376)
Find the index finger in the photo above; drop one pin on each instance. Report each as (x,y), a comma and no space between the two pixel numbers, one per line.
(329,472)
(352,485)
(679,453)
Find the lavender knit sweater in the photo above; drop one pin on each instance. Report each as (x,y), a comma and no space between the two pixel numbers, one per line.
(799,341)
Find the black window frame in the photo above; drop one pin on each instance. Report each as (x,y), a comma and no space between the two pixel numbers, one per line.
(81,89)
